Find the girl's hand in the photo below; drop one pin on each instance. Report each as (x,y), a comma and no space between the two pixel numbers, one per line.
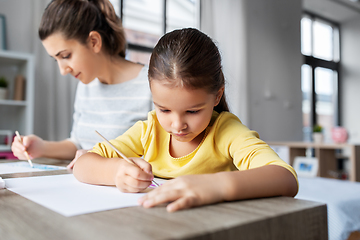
(34,146)
(186,192)
(131,178)
(78,153)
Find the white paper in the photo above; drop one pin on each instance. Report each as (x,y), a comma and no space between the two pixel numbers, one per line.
(20,167)
(69,197)
(2,183)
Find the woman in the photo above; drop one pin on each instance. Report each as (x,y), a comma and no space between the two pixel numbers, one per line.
(87,41)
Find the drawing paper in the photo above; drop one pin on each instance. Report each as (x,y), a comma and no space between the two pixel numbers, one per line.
(20,167)
(69,197)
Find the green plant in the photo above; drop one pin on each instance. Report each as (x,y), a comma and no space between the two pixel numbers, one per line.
(3,82)
(317,128)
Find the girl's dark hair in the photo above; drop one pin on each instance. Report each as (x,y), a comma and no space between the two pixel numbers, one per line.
(188,58)
(75,19)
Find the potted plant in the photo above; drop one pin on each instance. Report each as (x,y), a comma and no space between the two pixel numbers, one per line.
(3,88)
(318,136)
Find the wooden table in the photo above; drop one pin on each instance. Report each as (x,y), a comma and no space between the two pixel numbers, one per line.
(267,218)
(326,154)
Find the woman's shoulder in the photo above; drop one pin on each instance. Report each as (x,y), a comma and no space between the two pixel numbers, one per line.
(143,74)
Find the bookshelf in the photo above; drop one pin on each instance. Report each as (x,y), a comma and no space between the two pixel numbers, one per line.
(17,114)
(326,154)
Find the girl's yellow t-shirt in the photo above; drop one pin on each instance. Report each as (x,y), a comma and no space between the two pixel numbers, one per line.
(228,145)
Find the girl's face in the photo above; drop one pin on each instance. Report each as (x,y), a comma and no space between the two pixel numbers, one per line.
(72,57)
(184,113)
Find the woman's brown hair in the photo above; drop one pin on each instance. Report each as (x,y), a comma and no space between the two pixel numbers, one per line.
(75,19)
(189,58)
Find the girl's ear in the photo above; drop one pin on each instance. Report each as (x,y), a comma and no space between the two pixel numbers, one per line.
(219,95)
(95,41)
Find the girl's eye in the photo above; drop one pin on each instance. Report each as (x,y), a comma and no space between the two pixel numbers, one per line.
(193,112)
(67,56)
(164,110)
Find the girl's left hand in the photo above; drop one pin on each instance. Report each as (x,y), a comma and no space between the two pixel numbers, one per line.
(186,192)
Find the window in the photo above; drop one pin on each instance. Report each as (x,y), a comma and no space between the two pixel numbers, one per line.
(319,74)
(145,21)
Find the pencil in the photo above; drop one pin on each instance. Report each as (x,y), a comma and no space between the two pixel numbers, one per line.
(121,154)
(26,154)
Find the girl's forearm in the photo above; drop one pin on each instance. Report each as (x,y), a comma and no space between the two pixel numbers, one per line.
(266,181)
(93,169)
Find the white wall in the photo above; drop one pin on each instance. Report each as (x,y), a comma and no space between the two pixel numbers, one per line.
(274,74)
(350,78)
(260,45)
(20,26)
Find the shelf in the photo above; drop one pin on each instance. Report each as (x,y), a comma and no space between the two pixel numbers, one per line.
(13,103)
(17,114)
(4,148)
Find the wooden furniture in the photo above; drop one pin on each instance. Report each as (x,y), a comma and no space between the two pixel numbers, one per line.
(266,218)
(17,114)
(326,153)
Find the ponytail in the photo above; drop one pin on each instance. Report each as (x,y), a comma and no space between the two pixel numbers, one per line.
(75,19)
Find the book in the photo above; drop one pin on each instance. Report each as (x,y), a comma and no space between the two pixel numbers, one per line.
(19,90)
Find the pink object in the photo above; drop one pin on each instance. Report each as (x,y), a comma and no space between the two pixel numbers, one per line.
(7,155)
(339,135)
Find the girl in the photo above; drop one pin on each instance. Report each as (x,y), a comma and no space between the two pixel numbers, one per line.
(87,41)
(191,137)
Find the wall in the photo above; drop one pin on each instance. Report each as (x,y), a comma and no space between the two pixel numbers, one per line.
(19,21)
(350,78)
(274,74)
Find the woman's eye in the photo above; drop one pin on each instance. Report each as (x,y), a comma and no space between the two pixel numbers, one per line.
(164,110)
(67,56)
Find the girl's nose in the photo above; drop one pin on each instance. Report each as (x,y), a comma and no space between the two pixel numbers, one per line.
(179,124)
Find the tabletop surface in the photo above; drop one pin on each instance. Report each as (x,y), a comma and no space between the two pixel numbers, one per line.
(265,218)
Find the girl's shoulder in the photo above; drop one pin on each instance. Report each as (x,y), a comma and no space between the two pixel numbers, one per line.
(227,123)
(224,118)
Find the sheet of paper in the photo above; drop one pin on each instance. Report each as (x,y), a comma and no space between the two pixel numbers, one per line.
(69,197)
(19,167)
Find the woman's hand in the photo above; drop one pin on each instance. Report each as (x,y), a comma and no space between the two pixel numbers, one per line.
(131,178)
(186,192)
(78,153)
(34,146)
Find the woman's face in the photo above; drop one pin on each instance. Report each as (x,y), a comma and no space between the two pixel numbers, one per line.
(72,57)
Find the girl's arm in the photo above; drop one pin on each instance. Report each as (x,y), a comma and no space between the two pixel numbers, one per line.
(94,169)
(195,190)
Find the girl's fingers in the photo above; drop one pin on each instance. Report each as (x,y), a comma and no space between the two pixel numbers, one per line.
(142,164)
(163,194)
(131,178)
(182,203)
(136,172)
(178,200)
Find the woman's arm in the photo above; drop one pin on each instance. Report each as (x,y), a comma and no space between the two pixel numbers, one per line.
(95,169)
(37,147)
(195,190)
(65,150)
